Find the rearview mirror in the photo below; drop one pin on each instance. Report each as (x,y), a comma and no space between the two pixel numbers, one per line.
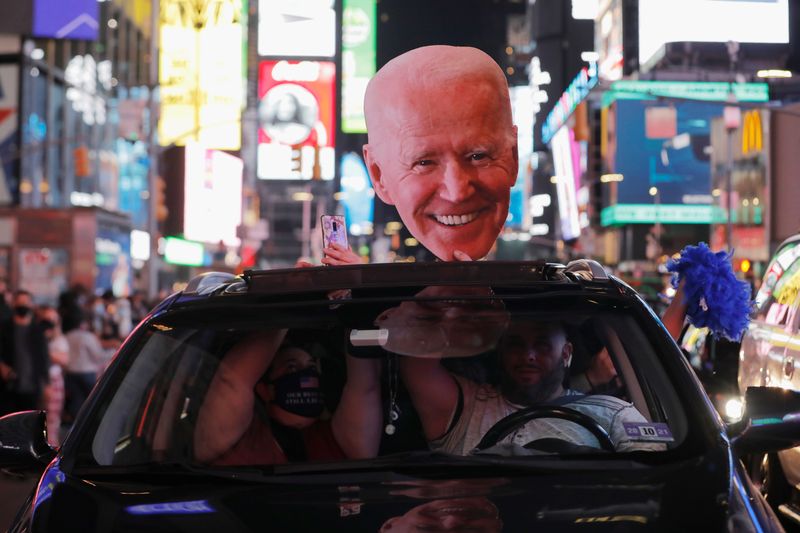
(23,441)
(771,421)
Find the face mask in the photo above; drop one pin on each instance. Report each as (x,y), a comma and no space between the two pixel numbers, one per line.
(22,310)
(299,393)
(47,324)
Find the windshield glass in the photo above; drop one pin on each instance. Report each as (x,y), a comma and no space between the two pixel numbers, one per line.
(466,371)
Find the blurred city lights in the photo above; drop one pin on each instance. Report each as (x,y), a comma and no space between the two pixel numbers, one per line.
(302,196)
(734,409)
(590,57)
(774,73)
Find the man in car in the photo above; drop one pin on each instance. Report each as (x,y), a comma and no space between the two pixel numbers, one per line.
(442,148)
(265,403)
(533,358)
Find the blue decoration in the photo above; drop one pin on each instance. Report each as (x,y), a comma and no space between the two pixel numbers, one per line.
(714,297)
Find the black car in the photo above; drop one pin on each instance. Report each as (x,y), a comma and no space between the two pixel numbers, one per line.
(146,454)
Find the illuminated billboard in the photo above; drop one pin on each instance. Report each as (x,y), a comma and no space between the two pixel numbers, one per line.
(181,252)
(296,113)
(358,61)
(200,72)
(757,21)
(566,162)
(523,111)
(357,194)
(296,29)
(213,196)
(608,39)
(678,167)
(66,19)
(578,89)
(747,204)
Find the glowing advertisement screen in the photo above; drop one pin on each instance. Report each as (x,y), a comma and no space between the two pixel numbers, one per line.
(565,158)
(755,21)
(678,166)
(133,164)
(9,119)
(66,19)
(357,194)
(296,114)
(200,73)
(293,28)
(213,196)
(522,107)
(113,260)
(358,61)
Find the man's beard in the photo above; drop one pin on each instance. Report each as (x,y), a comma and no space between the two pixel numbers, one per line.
(538,393)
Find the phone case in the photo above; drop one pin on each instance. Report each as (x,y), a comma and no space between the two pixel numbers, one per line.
(334,229)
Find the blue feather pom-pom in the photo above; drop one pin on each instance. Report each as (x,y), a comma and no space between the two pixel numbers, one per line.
(714,297)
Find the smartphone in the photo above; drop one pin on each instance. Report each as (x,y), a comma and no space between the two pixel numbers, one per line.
(334,229)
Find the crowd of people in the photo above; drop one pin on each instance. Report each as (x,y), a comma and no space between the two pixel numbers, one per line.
(52,355)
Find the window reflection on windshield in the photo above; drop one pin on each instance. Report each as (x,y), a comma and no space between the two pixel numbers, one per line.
(455,370)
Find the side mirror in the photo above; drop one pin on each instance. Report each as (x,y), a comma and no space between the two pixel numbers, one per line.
(23,441)
(771,421)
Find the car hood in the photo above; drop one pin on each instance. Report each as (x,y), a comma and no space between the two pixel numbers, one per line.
(629,496)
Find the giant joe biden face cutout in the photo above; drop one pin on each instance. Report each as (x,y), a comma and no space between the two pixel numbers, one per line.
(442,147)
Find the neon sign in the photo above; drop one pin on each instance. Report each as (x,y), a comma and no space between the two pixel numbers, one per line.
(578,89)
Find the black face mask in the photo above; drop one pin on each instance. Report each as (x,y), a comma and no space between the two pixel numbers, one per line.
(22,310)
(299,393)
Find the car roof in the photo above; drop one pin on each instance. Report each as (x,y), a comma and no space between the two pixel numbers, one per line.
(300,282)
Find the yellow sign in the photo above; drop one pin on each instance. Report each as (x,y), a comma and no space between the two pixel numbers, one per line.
(752,132)
(200,73)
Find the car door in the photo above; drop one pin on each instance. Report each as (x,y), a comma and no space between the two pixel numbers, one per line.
(763,350)
(790,378)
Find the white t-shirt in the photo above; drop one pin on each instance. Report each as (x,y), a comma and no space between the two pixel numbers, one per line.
(484,406)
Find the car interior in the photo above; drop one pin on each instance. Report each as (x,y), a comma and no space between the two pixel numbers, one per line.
(152,415)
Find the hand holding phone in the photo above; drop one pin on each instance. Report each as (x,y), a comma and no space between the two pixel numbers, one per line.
(334,230)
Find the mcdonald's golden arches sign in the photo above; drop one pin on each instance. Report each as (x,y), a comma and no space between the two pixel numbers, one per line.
(752,132)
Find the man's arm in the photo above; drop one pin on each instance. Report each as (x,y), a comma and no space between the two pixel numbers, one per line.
(357,421)
(229,403)
(434,393)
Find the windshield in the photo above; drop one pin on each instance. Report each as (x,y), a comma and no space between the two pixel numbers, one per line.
(462,371)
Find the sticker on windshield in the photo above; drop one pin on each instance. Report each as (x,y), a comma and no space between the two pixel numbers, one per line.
(646,431)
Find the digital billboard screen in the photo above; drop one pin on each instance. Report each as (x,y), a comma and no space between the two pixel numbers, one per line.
(566,160)
(296,114)
(523,111)
(358,61)
(66,19)
(201,76)
(289,28)
(678,166)
(742,21)
(357,194)
(213,196)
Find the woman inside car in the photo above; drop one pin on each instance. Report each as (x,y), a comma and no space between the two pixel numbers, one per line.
(265,406)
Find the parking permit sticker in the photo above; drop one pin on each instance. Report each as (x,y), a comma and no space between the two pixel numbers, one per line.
(646,431)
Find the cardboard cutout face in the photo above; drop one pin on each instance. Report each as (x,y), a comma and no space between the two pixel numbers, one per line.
(442,147)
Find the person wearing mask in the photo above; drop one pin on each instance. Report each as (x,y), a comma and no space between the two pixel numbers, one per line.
(24,359)
(87,360)
(265,404)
